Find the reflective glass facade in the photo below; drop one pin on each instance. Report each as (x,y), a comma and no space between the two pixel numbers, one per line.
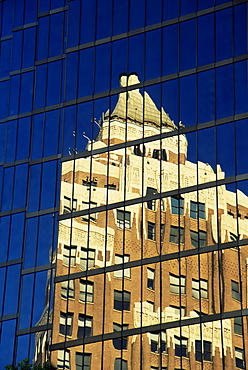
(124,184)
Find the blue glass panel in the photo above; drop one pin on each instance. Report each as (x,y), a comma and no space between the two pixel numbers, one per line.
(204,4)
(170,99)
(87,20)
(170,50)
(57,3)
(225,148)
(3,134)
(17,50)
(34,190)
(206,40)
(30,11)
(5,57)
(241,146)
(42,38)
(56,34)
(19,13)
(7,341)
(16,236)
(188,100)
(4,237)
(12,287)
(45,239)
(102,73)
(4,86)
(153,55)
(51,133)
(11,141)
(29,47)
(188,45)
(136,55)
(153,13)
(71,76)
(14,94)
(104,19)
(54,83)
(136,14)
(44,6)
(30,243)
(218,2)
(241,87)
(206,146)
(120,22)
(224,92)
(40,296)
(206,96)
(170,9)
(26,301)
(224,34)
(2,287)
(23,141)
(20,186)
(7,18)
(7,188)
(187,6)
(37,139)
(119,61)
(26,99)
(40,86)
(240,24)
(74,23)
(69,126)
(86,72)
(48,185)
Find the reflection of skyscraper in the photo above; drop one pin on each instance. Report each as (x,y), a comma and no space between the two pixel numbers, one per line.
(153,252)
(59,68)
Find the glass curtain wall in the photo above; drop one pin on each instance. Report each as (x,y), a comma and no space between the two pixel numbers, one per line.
(123,172)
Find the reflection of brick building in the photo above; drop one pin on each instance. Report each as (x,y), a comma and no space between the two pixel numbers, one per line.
(183,284)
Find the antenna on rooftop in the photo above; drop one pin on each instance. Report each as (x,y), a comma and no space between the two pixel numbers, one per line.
(74,150)
(69,151)
(97,123)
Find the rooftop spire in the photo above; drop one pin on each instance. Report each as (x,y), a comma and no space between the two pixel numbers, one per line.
(138,108)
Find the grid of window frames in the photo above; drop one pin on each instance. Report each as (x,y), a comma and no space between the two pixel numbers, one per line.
(85,163)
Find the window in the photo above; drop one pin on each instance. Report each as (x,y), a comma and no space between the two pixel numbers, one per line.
(181,345)
(151,204)
(177,284)
(123,219)
(86,291)
(235,290)
(120,364)
(84,326)
(177,205)
(158,342)
(197,210)
(87,258)
(67,289)
(179,311)
(199,288)
(110,186)
(88,205)
(119,259)
(238,329)
(83,361)
(176,234)
(63,359)
(150,278)
(121,300)
(151,230)
(203,350)
(120,343)
(239,358)
(67,205)
(198,239)
(65,323)
(138,150)
(69,255)
(159,154)
(88,182)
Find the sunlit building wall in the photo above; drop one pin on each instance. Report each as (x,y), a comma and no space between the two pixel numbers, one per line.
(172,186)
